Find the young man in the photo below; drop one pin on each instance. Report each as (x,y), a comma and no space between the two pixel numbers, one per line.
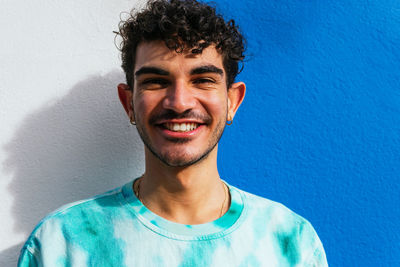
(180,60)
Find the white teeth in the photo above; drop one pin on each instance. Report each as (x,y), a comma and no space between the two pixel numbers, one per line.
(181,127)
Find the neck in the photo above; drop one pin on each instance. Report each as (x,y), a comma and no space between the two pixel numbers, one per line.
(189,195)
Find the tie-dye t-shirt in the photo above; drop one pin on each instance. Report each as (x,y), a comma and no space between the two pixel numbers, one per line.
(116,229)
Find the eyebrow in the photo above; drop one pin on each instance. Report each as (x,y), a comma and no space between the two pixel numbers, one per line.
(207,69)
(151,70)
(198,70)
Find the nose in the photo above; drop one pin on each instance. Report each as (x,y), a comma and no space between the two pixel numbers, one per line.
(179,98)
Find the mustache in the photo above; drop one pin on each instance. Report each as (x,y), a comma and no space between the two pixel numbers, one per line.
(189,114)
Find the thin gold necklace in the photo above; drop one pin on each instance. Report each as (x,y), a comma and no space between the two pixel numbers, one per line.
(137,193)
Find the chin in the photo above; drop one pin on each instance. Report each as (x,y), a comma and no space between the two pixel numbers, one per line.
(184,161)
(181,160)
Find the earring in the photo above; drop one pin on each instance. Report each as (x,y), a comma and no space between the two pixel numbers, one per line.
(229,122)
(133,122)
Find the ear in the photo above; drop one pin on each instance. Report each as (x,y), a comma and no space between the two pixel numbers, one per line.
(125,96)
(235,97)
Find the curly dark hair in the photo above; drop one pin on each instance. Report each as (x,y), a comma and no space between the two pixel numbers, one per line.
(181,24)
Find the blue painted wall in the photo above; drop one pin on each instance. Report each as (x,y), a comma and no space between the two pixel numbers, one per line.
(320,126)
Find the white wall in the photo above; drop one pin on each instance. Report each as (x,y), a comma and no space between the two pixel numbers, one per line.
(64,135)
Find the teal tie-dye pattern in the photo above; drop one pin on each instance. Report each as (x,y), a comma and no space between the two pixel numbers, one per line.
(250,260)
(89,231)
(202,257)
(288,246)
(115,229)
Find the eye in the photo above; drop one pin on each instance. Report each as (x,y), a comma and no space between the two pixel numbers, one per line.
(154,83)
(203,81)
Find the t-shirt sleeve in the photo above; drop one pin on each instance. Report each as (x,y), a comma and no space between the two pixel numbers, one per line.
(316,257)
(27,259)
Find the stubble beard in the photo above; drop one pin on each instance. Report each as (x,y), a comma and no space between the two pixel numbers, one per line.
(172,160)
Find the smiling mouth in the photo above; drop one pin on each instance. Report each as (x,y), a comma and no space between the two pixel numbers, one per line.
(181,127)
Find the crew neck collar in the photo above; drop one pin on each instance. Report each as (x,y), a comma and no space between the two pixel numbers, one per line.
(211,230)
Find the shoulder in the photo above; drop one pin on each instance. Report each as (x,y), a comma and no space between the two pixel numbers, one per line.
(99,203)
(74,218)
(294,237)
(275,212)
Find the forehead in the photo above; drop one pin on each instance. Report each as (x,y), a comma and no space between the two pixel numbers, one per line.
(157,54)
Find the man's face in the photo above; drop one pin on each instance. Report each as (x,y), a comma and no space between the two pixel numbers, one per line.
(180,102)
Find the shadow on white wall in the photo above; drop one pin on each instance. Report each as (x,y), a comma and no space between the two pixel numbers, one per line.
(76,147)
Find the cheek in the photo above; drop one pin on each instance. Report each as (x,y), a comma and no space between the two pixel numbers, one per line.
(145,104)
(216,105)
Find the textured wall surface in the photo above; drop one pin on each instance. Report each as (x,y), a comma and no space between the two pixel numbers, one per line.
(320,126)
(318,131)
(64,135)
